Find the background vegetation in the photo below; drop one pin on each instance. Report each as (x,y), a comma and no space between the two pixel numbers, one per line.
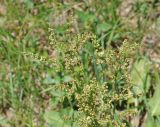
(73,63)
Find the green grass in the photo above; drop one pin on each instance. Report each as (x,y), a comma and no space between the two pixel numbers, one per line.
(29,94)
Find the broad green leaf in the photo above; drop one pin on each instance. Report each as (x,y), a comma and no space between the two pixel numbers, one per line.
(103,27)
(4,122)
(140,77)
(57,119)
(29,4)
(57,93)
(67,79)
(157,121)
(61,29)
(49,80)
(154,102)
(86,17)
(53,118)
(150,122)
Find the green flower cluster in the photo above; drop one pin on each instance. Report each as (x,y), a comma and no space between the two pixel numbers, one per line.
(39,58)
(100,82)
(100,78)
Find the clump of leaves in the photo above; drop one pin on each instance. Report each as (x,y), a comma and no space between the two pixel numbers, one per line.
(95,81)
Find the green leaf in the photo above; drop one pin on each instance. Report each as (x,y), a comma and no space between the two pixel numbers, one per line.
(86,17)
(67,79)
(3,122)
(140,76)
(56,119)
(154,102)
(150,122)
(29,4)
(53,118)
(48,80)
(103,27)
(61,29)
(57,93)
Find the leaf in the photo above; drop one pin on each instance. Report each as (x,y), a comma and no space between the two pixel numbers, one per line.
(56,119)
(61,29)
(154,102)
(29,4)
(86,17)
(3,122)
(103,27)
(140,77)
(149,122)
(53,118)
(57,93)
(49,80)
(67,79)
